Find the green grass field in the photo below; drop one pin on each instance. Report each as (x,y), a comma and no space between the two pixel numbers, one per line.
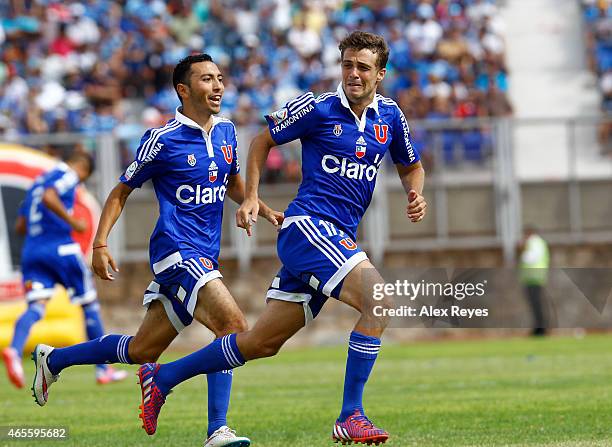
(519,392)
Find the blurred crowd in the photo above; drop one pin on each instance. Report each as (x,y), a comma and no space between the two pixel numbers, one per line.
(598,20)
(106,65)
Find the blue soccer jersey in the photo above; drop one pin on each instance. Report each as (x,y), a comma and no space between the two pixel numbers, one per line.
(50,256)
(190,169)
(341,154)
(43,225)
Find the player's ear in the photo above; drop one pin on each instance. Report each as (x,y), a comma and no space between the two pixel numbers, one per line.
(182,90)
(381,74)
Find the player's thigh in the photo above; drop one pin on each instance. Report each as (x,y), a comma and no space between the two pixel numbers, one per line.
(277,324)
(217,310)
(154,335)
(358,286)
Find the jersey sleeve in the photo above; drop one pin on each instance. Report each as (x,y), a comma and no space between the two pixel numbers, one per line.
(65,182)
(401,149)
(146,165)
(296,120)
(235,168)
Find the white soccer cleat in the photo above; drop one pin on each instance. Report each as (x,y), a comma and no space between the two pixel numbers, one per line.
(43,378)
(226,437)
(14,368)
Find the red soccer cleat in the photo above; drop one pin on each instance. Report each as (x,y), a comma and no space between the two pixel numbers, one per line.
(152,397)
(357,428)
(14,368)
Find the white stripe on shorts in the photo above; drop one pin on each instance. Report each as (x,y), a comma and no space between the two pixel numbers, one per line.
(325,240)
(317,243)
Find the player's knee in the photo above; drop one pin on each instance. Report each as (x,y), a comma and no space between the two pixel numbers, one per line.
(254,346)
(234,325)
(376,309)
(240,325)
(268,349)
(38,307)
(142,354)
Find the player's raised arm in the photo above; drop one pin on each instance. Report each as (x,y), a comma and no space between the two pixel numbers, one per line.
(258,153)
(413,178)
(110,213)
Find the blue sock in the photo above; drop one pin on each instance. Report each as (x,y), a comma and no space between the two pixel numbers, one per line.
(220,355)
(362,354)
(33,313)
(106,349)
(219,389)
(93,324)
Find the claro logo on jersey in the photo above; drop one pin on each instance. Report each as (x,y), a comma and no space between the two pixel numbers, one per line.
(349,169)
(200,195)
(292,119)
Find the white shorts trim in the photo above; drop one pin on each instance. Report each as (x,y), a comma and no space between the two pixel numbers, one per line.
(344,270)
(292,297)
(292,219)
(86,298)
(69,249)
(172,316)
(193,298)
(167,262)
(40,294)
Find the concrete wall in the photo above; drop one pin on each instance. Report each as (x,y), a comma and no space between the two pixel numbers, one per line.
(467,212)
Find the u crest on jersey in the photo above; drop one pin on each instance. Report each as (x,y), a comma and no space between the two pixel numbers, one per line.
(191,160)
(228,155)
(338,130)
(381,132)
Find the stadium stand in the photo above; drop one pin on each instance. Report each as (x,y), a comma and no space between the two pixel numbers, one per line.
(85,66)
(597,16)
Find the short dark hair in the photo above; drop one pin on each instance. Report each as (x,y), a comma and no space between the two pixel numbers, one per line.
(79,155)
(182,71)
(360,40)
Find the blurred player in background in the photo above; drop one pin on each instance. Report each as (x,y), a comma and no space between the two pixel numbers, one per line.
(345,135)
(192,162)
(50,256)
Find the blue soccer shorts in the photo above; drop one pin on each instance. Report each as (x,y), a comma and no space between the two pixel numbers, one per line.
(177,288)
(62,264)
(316,258)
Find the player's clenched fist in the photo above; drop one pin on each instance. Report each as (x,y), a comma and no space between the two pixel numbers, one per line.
(247,214)
(101,260)
(417,206)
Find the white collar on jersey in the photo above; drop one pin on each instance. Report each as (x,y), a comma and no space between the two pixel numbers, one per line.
(344,101)
(191,123)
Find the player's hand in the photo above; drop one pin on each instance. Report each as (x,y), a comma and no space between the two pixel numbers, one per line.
(78,225)
(246,216)
(101,260)
(416,206)
(276,218)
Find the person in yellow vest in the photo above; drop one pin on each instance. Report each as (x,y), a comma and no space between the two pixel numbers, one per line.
(533,274)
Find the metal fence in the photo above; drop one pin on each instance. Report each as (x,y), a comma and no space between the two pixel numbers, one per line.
(485,179)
